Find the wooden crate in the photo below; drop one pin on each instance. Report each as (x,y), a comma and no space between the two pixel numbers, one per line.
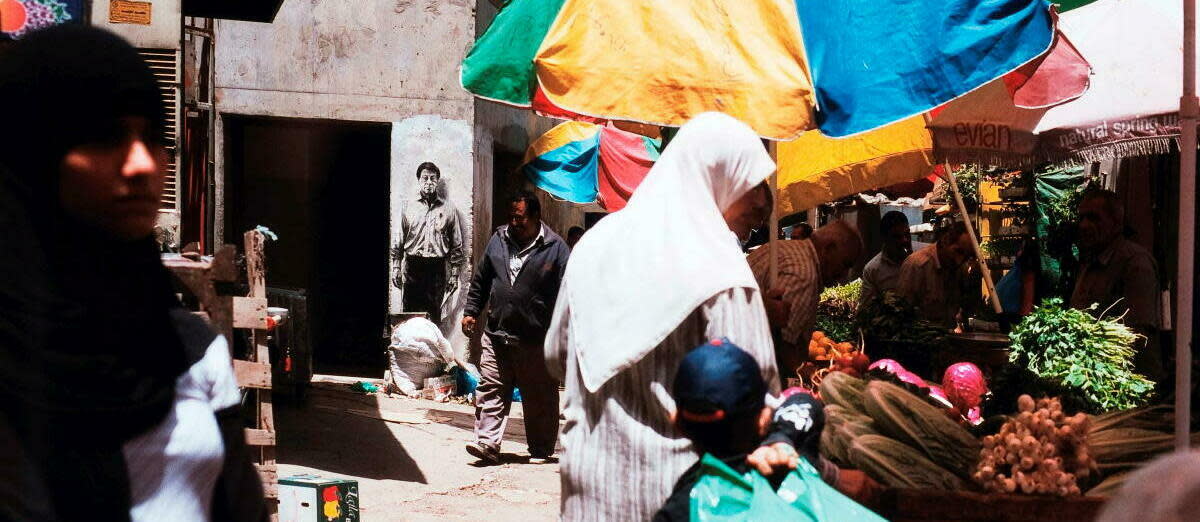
(925,505)
(205,279)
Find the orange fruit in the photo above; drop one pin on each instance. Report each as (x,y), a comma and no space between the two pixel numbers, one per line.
(815,351)
(818,335)
(12,15)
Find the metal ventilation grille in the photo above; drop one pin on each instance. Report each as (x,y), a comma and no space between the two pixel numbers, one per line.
(164,63)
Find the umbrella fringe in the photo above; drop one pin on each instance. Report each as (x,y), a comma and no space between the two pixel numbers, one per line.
(1122,149)
(986,157)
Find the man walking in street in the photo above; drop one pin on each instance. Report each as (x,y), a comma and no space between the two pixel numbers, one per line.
(430,253)
(518,278)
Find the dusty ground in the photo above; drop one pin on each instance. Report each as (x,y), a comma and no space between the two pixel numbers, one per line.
(408,458)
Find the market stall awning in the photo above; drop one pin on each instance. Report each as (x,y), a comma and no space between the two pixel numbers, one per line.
(872,62)
(584,163)
(1130,108)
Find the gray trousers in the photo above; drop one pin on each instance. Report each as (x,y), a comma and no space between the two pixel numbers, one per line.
(503,366)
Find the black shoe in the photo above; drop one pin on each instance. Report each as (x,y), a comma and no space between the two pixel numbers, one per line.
(483,452)
(541,457)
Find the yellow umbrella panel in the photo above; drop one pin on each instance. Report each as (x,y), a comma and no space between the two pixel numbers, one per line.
(816,169)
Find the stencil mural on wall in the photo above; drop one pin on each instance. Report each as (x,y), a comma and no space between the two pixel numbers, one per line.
(20,17)
(429,256)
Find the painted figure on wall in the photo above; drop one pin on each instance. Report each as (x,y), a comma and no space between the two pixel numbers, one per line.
(429,255)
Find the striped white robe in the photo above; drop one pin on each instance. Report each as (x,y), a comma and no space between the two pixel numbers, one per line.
(622,455)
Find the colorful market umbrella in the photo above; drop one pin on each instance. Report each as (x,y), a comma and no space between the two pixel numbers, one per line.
(583,162)
(782,67)
(815,169)
(1131,108)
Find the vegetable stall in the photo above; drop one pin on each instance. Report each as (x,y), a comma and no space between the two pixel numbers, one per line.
(1051,430)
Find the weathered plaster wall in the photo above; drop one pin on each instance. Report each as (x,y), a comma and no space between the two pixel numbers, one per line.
(363,60)
(391,61)
(356,60)
(162,32)
(367,60)
(447,143)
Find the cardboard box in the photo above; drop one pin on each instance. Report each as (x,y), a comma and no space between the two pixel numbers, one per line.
(309,498)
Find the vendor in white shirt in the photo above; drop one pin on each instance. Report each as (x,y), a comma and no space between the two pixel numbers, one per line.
(882,273)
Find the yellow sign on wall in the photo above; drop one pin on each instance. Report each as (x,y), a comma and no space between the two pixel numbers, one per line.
(129,12)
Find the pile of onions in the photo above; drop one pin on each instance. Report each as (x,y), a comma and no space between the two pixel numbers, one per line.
(1039,451)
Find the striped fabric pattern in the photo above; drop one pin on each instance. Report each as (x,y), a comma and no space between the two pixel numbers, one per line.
(174,467)
(622,455)
(800,278)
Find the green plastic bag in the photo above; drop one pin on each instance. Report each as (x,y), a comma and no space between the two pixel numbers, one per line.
(722,494)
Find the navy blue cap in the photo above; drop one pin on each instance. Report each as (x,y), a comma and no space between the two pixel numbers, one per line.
(716,381)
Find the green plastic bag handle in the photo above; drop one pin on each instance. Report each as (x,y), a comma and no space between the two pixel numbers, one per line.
(722,494)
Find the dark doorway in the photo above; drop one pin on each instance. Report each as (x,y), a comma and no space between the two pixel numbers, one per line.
(322,186)
(507,181)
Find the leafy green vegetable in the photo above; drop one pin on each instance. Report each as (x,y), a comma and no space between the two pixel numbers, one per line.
(836,310)
(891,318)
(893,331)
(1090,356)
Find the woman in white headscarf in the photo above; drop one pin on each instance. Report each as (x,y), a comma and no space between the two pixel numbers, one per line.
(642,288)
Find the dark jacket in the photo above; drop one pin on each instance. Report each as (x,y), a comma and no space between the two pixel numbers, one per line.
(519,311)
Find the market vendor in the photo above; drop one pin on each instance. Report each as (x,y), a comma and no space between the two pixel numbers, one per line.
(1118,275)
(882,273)
(805,267)
(933,280)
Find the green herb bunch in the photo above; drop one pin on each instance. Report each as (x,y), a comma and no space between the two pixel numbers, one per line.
(1089,355)
(891,318)
(837,309)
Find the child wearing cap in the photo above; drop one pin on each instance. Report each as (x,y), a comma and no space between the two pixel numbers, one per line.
(721,407)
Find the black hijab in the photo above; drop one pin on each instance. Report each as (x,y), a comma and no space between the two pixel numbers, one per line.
(88,353)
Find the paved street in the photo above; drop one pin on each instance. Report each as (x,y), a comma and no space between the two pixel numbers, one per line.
(407,455)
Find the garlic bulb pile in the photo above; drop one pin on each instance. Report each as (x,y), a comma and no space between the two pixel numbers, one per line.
(1039,451)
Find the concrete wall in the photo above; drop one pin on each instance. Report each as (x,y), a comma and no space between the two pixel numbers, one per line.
(366,60)
(163,32)
(392,61)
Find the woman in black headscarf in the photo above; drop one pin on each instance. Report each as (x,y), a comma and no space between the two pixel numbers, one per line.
(100,367)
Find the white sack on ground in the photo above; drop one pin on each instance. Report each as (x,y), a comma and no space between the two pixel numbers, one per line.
(418,350)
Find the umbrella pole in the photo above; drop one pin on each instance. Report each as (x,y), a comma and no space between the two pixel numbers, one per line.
(1189,110)
(772,237)
(962,209)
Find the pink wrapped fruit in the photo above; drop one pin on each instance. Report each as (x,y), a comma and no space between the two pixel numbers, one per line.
(936,392)
(911,378)
(975,416)
(887,365)
(965,386)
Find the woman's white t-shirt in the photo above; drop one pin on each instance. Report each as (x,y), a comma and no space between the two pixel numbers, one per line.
(173,468)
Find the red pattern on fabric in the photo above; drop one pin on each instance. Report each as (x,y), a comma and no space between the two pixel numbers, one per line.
(624,163)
